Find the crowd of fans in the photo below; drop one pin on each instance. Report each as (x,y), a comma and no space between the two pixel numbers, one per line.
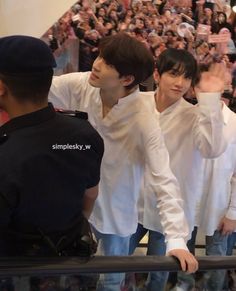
(206,28)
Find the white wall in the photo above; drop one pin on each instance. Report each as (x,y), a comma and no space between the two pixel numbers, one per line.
(30,17)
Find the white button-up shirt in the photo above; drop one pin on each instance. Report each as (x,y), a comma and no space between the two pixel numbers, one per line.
(190,133)
(134,149)
(218,197)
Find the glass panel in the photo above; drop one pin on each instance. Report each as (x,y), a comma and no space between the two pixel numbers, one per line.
(85,282)
(133,281)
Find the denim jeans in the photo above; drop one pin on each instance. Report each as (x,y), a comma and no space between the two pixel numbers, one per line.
(213,280)
(111,245)
(231,243)
(156,247)
(216,245)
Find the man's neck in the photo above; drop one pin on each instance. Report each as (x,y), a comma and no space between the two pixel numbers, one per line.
(110,99)
(18,109)
(163,102)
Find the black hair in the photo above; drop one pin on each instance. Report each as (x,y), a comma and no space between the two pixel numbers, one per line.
(128,56)
(170,31)
(29,87)
(179,62)
(138,31)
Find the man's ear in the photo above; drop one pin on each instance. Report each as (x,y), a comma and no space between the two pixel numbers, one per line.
(3,94)
(2,88)
(127,80)
(156,76)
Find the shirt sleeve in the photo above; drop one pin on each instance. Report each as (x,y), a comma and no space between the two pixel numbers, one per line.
(67,90)
(159,179)
(209,126)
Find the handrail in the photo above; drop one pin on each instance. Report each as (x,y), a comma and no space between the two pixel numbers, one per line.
(197,246)
(63,265)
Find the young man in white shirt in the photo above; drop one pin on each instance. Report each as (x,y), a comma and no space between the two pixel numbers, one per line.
(134,149)
(191,133)
(215,213)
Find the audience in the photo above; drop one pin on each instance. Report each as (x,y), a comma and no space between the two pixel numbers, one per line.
(181,24)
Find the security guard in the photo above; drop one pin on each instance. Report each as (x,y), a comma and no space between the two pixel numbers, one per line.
(50,163)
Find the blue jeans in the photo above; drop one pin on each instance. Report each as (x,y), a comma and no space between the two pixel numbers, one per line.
(111,245)
(216,245)
(231,244)
(156,247)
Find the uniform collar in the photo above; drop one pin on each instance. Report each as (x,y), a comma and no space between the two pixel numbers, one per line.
(30,119)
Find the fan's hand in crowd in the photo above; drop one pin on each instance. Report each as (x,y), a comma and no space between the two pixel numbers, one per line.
(213,80)
(189,35)
(90,12)
(100,28)
(187,261)
(227,226)
(200,2)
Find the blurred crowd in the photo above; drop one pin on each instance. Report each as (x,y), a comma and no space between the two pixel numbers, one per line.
(206,28)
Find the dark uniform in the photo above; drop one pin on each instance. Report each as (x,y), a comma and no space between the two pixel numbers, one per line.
(47,161)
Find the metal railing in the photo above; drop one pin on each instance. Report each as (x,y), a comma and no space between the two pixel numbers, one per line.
(62,265)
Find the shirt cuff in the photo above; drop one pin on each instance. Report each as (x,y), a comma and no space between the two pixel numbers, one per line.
(209,99)
(231,213)
(176,243)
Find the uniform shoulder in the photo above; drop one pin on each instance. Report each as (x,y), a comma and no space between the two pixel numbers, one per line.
(75,120)
(77,124)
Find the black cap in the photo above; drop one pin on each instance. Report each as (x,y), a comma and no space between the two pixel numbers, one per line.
(21,54)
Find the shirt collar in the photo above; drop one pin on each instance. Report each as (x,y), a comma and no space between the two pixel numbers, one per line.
(128,98)
(171,107)
(29,119)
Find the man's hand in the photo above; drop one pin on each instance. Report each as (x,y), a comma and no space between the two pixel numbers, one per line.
(187,260)
(227,226)
(213,80)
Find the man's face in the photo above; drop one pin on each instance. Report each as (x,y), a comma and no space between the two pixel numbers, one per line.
(139,23)
(208,11)
(101,12)
(104,76)
(169,36)
(159,28)
(167,14)
(173,86)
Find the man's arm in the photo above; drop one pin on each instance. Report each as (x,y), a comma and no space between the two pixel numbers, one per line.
(90,196)
(67,90)
(160,180)
(209,125)
(227,224)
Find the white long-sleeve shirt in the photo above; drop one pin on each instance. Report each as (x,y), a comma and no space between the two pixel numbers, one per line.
(134,149)
(218,197)
(190,133)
